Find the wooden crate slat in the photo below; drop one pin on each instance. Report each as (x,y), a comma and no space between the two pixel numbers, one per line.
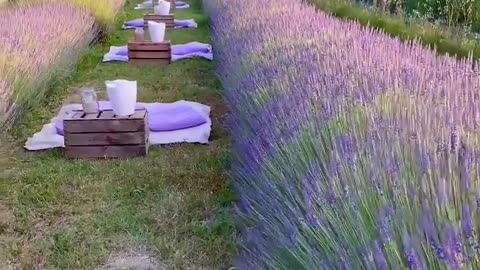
(89,139)
(106,151)
(107,115)
(78,115)
(139,115)
(149,46)
(157,17)
(149,54)
(90,116)
(104,126)
(169,20)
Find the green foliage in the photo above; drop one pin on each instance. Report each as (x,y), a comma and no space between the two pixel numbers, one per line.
(446,40)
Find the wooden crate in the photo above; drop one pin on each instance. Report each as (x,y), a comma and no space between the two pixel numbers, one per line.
(169,20)
(105,135)
(148,52)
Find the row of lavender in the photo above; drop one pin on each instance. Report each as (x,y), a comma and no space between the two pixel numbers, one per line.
(352,150)
(40,42)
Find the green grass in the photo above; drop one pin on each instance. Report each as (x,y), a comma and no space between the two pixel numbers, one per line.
(62,214)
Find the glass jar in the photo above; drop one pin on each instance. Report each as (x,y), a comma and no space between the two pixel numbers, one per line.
(139,35)
(89,100)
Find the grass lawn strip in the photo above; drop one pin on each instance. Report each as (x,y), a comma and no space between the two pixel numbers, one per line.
(62,214)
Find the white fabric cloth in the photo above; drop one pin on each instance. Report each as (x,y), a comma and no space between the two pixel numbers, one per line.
(47,137)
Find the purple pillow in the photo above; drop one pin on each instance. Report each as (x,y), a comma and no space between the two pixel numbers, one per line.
(168,117)
(135,23)
(122,51)
(161,116)
(191,47)
(182,23)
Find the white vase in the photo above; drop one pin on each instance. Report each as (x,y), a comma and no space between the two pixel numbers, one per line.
(163,8)
(123,96)
(157,31)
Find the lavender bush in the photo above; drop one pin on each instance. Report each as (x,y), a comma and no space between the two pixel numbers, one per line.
(353,150)
(46,43)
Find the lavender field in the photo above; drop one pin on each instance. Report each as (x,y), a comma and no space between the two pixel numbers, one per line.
(44,47)
(168,210)
(352,150)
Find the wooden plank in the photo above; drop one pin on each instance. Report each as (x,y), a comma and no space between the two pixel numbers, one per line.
(149,54)
(150,61)
(90,116)
(103,125)
(124,151)
(88,139)
(107,115)
(139,115)
(78,115)
(149,46)
(158,17)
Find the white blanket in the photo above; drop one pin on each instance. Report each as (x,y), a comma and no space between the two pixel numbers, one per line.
(47,137)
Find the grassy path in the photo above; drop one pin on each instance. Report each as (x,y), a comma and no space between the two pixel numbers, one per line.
(61,214)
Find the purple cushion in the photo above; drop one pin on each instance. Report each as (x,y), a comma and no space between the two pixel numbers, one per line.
(135,23)
(191,47)
(161,116)
(168,117)
(182,23)
(122,51)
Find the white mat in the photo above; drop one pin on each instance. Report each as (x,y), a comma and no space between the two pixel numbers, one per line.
(48,138)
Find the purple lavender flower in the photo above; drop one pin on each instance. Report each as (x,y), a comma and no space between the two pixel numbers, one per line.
(383,225)
(370,112)
(467,227)
(413,261)
(378,256)
(50,39)
(454,138)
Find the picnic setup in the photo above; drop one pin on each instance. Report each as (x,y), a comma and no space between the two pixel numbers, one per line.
(121,127)
(324,134)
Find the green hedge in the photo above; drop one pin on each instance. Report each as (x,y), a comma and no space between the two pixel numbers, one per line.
(444,40)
